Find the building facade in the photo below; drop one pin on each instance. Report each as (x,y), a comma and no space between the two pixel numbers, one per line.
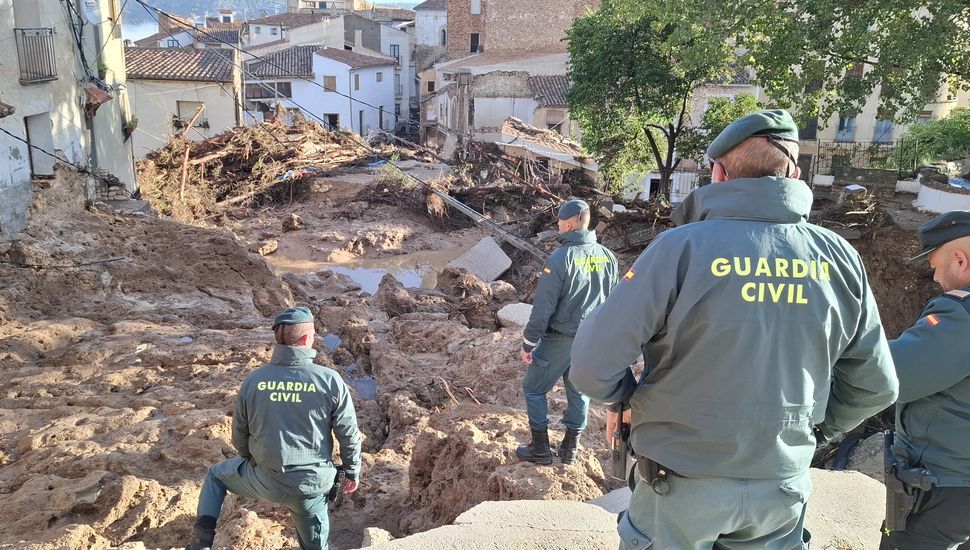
(167,86)
(66,103)
(431,33)
(338,87)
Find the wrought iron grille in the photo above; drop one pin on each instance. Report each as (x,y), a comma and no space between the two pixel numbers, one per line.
(35,52)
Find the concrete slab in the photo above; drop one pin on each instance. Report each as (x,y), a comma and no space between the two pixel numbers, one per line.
(486,260)
(515,315)
(519,524)
(615,501)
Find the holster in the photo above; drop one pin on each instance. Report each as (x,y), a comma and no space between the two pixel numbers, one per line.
(906,486)
(656,474)
(334,496)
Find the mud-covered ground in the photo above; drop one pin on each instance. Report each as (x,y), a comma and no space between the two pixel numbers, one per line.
(117,378)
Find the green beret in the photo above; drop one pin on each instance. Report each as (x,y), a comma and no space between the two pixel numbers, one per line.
(571,208)
(293,316)
(943,229)
(775,123)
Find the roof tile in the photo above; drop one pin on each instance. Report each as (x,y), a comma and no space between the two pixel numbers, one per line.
(290,20)
(207,65)
(355,60)
(550,90)
(293,62)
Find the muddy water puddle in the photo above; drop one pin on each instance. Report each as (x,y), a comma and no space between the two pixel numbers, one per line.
(415,270)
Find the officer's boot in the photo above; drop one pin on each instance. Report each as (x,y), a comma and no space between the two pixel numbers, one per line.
(538,451)
(205,533)
(567,449)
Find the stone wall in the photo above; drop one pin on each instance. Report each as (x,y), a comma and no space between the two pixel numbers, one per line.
(537,26)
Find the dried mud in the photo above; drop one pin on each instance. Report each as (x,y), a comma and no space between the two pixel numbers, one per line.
(117,379)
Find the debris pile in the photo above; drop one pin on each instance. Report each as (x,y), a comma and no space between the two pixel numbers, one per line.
(247,165)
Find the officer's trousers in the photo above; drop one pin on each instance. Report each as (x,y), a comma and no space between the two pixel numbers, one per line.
(941,523)
(721,513)
(550,362)
(240,476)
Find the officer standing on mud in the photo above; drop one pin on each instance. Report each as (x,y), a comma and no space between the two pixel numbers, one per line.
(575,279)
(286,415)
(755,326)
(933,412)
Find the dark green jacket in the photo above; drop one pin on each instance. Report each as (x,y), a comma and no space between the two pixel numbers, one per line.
(754,325)
(286,415)
(576,278)
(933,412)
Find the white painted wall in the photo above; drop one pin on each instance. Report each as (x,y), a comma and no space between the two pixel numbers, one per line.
(155,102)
(406,70)
(490,113)
(428,25)
(59,101)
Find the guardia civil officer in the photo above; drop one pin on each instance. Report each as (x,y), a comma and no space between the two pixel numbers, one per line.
(933,411)
(575,279)
(755,327)
(286,415)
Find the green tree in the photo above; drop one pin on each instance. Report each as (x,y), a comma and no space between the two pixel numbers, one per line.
(829,56)
(633,76)
(720,112)
(939,139)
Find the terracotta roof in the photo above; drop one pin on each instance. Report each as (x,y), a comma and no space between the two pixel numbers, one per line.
(290,20)
(291,62)
(217,36)
(226,11)
(355,60)
(432,5)
(550,90)
(207,65)
(379,13)
(740,75)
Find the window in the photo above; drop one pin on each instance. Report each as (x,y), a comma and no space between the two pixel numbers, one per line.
(330,83)
(924,117)
(883,131)
(444,37)
(356,81)
(473,46)
(846,130)
(397,109)
(360,121)
(332,120)
(856,70)
(187,109)
(476,7)
(227,19)
(274,31)
(266,90)
(257,30)
(430,86)
(380,117)
(380,76)
(396,53)
(171,43)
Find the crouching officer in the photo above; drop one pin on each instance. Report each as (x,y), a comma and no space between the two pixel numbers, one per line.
(756,327)
(933,412)
(576,278)
(286,415)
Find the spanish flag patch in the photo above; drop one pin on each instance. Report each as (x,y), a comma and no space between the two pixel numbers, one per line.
(933,320)
(629,275)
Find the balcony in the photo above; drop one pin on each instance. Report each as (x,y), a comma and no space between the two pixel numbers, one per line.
(399,90)
(35,52)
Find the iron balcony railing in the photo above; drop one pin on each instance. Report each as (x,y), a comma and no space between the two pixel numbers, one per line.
(35,52)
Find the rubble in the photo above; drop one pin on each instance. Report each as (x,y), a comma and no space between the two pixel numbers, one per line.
(515,315)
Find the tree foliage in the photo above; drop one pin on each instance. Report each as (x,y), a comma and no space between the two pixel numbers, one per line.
(720,112)
(941,139)
(633,75)
(807,53)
